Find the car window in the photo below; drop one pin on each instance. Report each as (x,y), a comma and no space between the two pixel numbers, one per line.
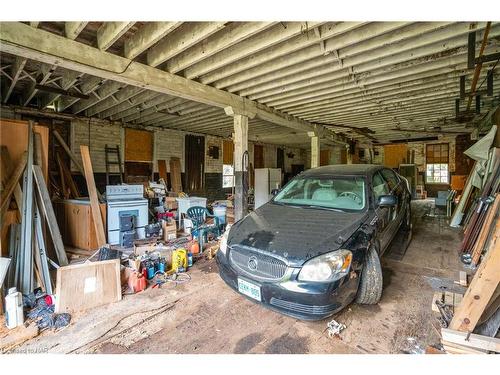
(328,192)
(391,178)
(380,186)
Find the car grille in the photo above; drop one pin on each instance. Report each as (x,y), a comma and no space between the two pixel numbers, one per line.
(256,264)
(301,308)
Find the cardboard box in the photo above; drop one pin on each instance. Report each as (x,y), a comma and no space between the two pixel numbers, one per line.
(169,230)
(170,203)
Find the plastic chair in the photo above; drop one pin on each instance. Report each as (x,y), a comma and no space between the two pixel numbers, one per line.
(198,216)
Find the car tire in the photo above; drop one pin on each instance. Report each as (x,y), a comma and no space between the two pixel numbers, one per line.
(371,283)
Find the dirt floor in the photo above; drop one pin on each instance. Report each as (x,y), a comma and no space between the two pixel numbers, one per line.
(203,315)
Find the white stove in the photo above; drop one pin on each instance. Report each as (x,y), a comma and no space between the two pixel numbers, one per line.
(127,212)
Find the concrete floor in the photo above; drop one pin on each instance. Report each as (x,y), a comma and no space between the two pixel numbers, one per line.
(205,316)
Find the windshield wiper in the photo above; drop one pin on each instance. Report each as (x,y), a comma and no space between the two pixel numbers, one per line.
(323,208)
(298,205)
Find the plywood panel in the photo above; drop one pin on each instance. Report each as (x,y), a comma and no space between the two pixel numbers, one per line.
(324,157)
(227,152)
(395,154)
(258,156)
(138,145)
(83,286)
(14,135)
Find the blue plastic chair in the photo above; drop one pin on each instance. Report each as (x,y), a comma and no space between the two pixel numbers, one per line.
(198,215)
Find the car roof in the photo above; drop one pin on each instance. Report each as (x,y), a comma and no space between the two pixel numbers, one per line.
(343,169)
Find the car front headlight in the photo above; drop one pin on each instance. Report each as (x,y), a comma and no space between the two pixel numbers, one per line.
(327,267)
(223,240)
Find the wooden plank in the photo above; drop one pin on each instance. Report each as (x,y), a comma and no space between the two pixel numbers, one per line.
(67,182)
(46,205)
(481,289)
(6,173)
(471,340)
(17,336)
(462,278)
(452,348)
(13,181)
(175,174)
(94,202)
(83,286)
(485,230)
(72,156)
(162,169)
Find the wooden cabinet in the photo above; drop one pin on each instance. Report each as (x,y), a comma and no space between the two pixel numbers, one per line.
(76,224)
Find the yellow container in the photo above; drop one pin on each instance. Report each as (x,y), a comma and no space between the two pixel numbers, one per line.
(179,259)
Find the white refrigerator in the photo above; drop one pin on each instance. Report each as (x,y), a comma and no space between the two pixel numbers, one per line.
(266,180)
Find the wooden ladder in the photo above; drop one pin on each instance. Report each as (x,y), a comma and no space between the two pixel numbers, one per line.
(113,151)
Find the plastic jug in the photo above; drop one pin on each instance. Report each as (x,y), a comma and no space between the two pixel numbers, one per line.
(14,308)
(179,260)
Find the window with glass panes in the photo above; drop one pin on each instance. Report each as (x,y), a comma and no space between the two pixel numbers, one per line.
(437,164)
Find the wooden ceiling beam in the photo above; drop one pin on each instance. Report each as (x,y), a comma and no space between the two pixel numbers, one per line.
(73,29)
(268,38)
(147,36)
(233,33)
(187,35)
(110,32)
(15,72)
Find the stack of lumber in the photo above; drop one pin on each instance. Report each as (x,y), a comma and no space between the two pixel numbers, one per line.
(479,306)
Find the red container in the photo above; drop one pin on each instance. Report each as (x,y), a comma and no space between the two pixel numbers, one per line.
(137,282)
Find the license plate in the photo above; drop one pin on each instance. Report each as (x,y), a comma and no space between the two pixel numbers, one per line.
(249,289)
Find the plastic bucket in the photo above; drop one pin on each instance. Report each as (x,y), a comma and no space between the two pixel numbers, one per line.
(220,212)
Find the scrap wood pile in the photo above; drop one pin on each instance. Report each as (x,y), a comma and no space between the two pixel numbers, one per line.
(470,316)
(27,279)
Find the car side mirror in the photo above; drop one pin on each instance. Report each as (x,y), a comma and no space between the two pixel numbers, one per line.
(387,201)
(275,192)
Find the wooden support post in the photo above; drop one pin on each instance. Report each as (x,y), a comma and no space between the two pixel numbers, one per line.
(481,289)
(12,183)
(315,149)
(94,201)
(46,206)
(240,147)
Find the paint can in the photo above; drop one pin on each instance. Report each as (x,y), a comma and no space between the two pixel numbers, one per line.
(161,265)
(151,270)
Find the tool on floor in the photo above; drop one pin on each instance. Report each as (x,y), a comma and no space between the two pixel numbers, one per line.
(446,314)
(334,328)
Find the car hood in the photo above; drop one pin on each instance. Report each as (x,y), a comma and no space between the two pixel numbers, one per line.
(295,233)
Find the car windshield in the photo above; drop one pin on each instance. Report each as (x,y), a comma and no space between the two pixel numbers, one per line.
(341,193)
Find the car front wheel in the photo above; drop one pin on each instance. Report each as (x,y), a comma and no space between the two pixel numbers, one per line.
(370,285)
